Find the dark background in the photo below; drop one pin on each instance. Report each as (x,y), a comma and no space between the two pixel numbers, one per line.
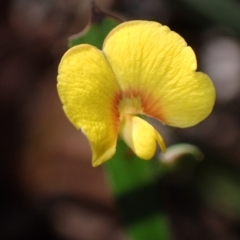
(48,189)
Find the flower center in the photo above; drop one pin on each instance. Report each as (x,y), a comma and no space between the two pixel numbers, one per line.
(130,106)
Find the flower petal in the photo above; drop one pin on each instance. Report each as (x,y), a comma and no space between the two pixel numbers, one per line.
(141,137)
(155,63)
(89,93)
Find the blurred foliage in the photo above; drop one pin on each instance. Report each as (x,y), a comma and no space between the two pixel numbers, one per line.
(221,12)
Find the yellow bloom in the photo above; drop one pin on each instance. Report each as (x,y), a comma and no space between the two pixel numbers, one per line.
(143,69)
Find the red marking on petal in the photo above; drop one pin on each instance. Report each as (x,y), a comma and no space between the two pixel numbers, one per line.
(151,106)
(115,113)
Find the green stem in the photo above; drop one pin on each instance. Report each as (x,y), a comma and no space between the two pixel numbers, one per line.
(133,182)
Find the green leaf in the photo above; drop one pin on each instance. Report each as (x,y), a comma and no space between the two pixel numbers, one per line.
(100,24)
(136,172)
(138,197)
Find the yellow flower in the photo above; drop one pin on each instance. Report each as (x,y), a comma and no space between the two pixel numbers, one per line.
(143,69)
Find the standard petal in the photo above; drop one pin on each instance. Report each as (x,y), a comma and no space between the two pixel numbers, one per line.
(141,137)
(155,63)
(89,92)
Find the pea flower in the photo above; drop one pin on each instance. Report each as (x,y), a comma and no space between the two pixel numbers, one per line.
(144,68)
